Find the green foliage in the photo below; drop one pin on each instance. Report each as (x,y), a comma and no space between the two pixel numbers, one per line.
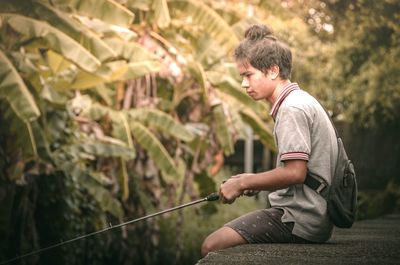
(109,11)
(204,19)
(373,204)
(65,211)
(155,149)
(29,29)
(195,229)
(162,121)
(222,133)
(363,69)
(16,93)
(89,40)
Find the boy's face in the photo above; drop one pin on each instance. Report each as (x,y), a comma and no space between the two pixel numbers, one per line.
(257,84)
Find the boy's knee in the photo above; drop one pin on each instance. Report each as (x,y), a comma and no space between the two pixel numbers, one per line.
(224,237)
(207,247)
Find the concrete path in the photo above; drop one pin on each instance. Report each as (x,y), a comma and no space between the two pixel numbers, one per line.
(374,241)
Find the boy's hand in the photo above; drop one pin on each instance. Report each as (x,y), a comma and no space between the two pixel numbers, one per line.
(232,188)
(250,192)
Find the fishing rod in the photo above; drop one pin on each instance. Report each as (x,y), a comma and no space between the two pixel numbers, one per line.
(212,197)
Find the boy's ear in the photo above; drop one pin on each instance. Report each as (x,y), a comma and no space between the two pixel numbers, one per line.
(273,72)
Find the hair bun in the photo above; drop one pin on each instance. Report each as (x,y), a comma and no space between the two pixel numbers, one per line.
(258,32)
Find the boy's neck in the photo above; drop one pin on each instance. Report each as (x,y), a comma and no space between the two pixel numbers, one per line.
(281,84)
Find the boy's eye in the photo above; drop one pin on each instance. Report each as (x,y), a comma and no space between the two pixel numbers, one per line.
(246,75)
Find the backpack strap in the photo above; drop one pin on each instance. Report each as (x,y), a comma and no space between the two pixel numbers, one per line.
(329,116)
(312,182)
(316,184)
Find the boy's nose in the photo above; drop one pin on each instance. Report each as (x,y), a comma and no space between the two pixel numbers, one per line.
(245,84)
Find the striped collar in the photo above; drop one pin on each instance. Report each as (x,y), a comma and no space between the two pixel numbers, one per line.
(285,92)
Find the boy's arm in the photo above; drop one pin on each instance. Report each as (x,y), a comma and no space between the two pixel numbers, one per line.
(292,172)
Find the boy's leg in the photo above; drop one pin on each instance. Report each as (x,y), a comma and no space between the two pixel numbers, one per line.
(224,237)
(261,226)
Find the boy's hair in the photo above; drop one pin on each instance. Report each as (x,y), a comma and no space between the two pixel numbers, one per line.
(262,50)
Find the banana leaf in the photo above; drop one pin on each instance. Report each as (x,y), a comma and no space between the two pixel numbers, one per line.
(162,121)
(108,72)
(124,180)
(140,60)
(198,72)
(235,107)
(104,197)
(80,33)
(130,51)
(101,150)
(244,113)
(222,130)
(106,93)
(108,30)
(57,63)
(14,90)
(143,5)
(22,135)
(121,128)
(154,148)
(259,128)
(139,69)
(109,11)
(230,86)
(176,180)
(204,16)
(32,29)
(161,13)
(96,111)
(83,178)
(65,76)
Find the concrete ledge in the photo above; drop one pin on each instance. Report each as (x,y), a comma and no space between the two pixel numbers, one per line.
(374,241)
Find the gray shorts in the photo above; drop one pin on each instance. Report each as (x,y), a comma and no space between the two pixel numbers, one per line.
(265,226)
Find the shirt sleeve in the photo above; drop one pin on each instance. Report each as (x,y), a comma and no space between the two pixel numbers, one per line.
(293,134)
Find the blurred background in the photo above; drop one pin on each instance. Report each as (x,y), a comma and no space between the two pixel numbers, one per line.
(114,109)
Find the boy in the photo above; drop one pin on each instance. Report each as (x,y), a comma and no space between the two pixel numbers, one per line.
(306,143)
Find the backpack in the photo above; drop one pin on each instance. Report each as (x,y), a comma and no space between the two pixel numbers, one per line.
(341,195)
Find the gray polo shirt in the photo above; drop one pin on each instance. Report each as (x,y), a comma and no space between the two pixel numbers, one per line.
(303,131)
